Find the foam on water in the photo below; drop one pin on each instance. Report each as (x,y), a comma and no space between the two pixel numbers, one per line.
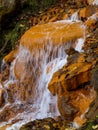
(79,44)
(74,17)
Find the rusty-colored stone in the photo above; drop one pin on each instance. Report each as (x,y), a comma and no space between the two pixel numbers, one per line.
(40,34)
(67,83)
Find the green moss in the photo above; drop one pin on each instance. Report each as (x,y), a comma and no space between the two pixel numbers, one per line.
(12,36)
(90,125)
(87,126)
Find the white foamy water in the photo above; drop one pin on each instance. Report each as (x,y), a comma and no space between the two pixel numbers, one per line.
(44,104)
(46,61)
(74,17)
(79,45)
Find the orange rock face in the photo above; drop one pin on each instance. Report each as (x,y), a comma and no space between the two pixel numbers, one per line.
(86,12)
(91,24)
(79,71)
(11,56)
(57,33)
(67,83)
(40,36)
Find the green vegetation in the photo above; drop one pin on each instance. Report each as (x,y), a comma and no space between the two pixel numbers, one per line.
(37,5)
(90,125)
(11,38)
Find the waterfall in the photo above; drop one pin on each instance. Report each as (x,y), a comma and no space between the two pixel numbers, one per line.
(40,64)
(45,104)
(79,45)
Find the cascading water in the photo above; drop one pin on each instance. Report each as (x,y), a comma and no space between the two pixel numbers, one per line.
(74,17)
(40,65)
(45,104)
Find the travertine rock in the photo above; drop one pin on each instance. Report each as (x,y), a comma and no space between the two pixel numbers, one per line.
(70,85)
(41,34)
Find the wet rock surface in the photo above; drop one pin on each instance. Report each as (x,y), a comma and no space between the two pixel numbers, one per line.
(82,68)
(74,78)
(75,85)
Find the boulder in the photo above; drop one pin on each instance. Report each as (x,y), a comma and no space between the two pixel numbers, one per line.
(72,86)
(39,35)
(73,75)
(86,12)
(91,24)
